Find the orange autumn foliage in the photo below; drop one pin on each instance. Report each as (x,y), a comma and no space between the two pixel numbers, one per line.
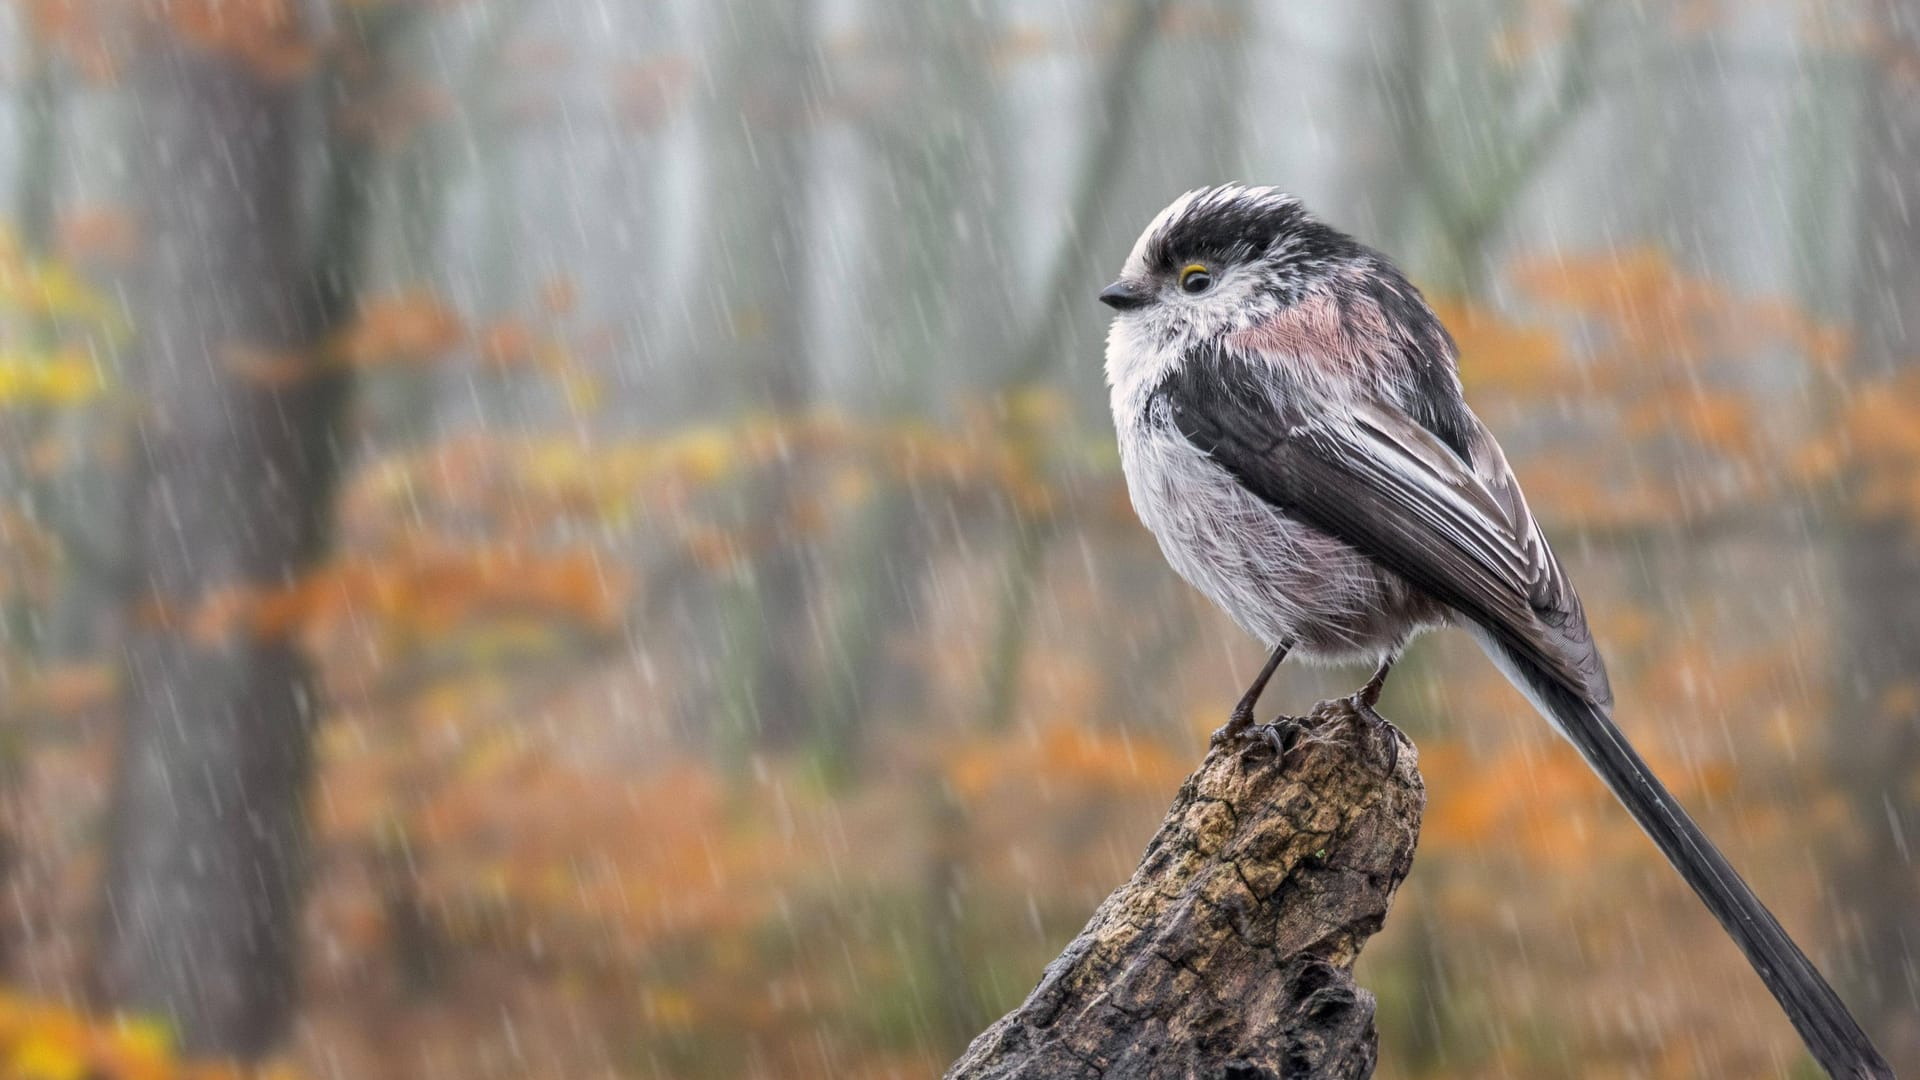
(506,344)
(1874,444)
(1065,754)
(1665,357)
(687,862)
(66,690)
(1661,321)
(670,483)
(268,36)
(1503,355)
(77,28)
(1548,805)
(419,593)
(409,327)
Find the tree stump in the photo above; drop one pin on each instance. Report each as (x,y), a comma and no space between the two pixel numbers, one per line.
(1229,954)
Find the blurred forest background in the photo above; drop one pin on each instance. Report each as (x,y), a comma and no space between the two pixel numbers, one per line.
(583,539)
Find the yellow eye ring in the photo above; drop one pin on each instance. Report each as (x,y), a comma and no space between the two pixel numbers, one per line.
(1195,279)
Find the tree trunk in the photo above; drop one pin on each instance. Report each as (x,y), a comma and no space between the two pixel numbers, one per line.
(200,920)
(1875,748)
(760,171)
(1230,952)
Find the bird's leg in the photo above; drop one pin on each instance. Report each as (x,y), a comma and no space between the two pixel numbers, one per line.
(1369,693)
(1241,718)
(1240,721)
(1365,698)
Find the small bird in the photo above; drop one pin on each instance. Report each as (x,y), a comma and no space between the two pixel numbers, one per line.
(1293,432)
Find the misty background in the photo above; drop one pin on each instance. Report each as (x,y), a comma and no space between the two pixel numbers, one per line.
(584,539)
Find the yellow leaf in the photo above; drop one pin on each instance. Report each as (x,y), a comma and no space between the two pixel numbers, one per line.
(49,381)
(42,1055)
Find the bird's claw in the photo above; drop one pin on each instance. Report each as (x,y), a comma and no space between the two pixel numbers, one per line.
(1238,723)
(1382,726)
(1277,736)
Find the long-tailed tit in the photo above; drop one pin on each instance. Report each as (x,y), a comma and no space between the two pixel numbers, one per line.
(1293,432)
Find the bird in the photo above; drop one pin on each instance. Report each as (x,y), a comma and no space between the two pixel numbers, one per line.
(1293,432)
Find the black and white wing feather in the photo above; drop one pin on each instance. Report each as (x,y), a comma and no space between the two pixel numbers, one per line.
(1458,530)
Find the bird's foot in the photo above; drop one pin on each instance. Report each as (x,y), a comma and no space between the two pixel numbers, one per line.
(1390,736)
(1238,723)
(1241,731)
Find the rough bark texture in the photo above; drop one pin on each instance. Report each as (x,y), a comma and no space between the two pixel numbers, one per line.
(1230,952)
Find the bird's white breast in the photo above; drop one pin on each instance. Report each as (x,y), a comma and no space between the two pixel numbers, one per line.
(1280,579)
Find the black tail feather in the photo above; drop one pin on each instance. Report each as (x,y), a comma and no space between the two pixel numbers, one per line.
(1831,1034)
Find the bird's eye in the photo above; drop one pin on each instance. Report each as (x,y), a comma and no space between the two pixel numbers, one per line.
(1195,280)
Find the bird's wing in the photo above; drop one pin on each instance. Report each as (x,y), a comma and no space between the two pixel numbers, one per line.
(1375,478)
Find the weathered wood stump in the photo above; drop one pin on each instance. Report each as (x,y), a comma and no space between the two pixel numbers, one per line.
(1230,952)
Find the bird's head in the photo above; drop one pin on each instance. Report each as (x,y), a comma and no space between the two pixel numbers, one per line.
(1217,257)
(1215,261)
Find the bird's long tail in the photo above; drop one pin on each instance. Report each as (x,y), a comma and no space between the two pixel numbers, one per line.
(1831,1034)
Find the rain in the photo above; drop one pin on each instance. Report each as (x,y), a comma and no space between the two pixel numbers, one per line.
(589,539)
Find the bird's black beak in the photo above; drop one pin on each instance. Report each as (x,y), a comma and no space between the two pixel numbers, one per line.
(1124,296)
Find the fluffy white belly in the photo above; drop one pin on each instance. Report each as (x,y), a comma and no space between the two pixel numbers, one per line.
(1281,580)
